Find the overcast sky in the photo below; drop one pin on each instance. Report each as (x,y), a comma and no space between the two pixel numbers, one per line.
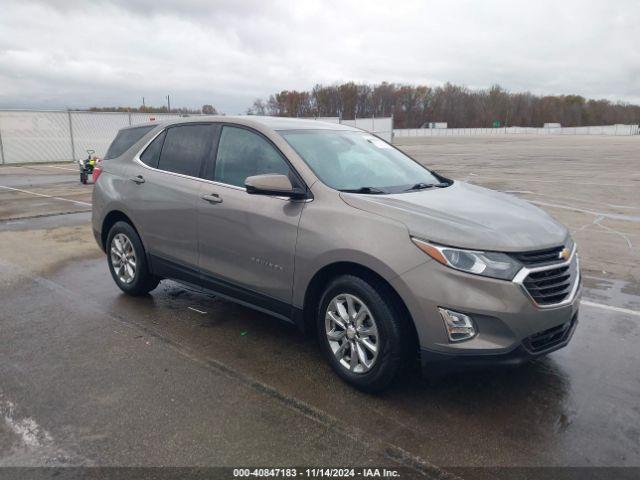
(78,54)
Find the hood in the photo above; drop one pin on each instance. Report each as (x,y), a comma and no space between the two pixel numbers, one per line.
(467,216)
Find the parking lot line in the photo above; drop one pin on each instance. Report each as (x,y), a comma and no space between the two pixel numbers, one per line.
(60,168)
(614,216)
(196,310)
(46,196)
(609,307)
(573,182)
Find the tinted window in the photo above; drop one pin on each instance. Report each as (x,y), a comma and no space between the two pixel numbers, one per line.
(184,149)
(242,153)
(151,154)
(125,139)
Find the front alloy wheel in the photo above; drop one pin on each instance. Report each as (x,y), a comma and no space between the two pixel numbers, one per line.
(364,333)
(352,333)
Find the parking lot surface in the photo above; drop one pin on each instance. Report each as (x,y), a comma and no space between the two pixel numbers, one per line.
(90,376)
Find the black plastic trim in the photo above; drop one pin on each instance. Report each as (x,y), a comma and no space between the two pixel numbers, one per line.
(437,364)
(166,268)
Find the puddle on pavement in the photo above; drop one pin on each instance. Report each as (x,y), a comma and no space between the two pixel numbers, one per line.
(544,411)
(615,293)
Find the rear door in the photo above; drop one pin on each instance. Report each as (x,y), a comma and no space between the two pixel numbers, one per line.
(165,181)
(248,240)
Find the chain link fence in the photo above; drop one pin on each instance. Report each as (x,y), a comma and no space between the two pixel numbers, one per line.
(621,130)
(382,127)
(28,136)
(55,136)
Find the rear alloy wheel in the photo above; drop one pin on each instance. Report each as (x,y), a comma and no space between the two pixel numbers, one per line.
(123,258)
(128,261)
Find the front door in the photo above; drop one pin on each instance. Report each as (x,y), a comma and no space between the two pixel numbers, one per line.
(248,241)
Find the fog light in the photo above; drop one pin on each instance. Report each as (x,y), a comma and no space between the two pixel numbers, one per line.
(459,326)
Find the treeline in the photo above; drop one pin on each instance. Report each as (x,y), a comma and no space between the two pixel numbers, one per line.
(414,105)
(206,109)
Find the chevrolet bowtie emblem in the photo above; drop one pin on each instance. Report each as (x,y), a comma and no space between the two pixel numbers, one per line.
(564,254)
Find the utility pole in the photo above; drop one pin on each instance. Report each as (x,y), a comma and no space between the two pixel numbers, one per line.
(143,105)
(168,104)
(73,148)
(2,160)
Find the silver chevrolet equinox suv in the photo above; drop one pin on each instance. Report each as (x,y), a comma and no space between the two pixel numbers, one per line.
(334,230)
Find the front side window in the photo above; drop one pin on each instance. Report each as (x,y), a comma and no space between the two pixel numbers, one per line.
(125,139)
(242,154)
(185,148)
(354,160)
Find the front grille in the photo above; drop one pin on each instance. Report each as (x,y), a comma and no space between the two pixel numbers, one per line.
(548,338)
(539,257)
(552,285)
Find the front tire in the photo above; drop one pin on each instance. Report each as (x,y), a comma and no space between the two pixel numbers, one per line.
(127,261)
(362,334)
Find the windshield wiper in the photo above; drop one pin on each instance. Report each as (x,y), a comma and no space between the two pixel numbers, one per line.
(369,190)
(422,186)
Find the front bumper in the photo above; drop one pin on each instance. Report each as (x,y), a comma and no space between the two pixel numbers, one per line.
(438,363)
(511,327)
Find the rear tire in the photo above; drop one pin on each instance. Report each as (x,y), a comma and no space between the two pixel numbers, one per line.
(368,324)
(127,261)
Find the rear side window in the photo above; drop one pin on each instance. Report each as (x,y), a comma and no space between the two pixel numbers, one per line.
(185,147)
(242,153)
(151,154)
(125,139)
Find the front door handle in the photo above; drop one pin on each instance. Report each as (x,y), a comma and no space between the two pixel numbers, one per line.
(212,198)
(139,179)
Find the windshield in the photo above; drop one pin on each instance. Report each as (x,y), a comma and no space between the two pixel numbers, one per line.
(357,161)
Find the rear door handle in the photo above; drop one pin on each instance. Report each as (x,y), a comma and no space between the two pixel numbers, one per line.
(139,179)
(212,198)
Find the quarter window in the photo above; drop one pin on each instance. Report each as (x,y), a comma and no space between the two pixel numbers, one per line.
(242,154)
(125,139)
(151,155)
(185,147)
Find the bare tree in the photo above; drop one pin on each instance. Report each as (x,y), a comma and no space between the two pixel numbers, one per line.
(209,110)
(414,105)
(259,107)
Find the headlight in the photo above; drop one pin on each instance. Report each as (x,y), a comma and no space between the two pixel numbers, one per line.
(487,264)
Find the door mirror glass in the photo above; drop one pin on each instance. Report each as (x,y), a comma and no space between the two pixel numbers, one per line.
(272,184)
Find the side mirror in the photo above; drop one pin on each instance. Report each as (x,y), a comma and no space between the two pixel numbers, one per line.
(272,184)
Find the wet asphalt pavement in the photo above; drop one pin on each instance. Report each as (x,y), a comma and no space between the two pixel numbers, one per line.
(92,377)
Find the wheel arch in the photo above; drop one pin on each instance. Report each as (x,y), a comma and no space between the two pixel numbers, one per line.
(325,274)
(110,220)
